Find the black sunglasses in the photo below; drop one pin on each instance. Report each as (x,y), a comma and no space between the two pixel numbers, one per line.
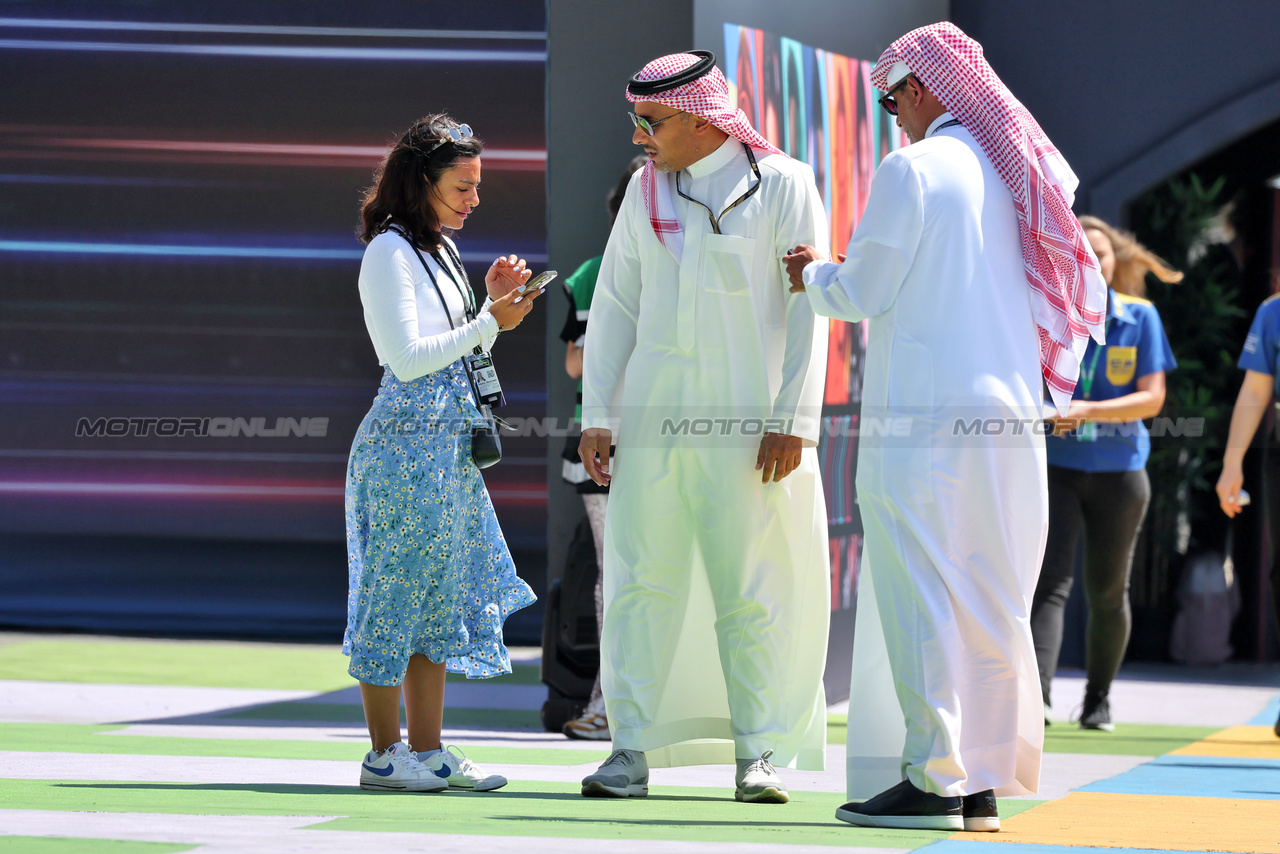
(647,125)
(886,101)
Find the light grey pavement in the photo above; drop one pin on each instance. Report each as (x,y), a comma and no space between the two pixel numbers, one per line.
(1151,695)
(89,703)
(274,834)
(474,694)
(1061,772)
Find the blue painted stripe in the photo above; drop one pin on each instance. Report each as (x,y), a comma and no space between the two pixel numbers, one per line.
(99,181)
(253,29)
(75,247)
(1198,777)
(49,392)
(1268,716)
(68,247)
(955,846)
(362,54)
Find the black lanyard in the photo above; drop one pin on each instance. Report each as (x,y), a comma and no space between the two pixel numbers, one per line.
(948,124)
(715,221)
(468,297)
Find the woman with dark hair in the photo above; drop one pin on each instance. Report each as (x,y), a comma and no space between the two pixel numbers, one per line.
(431,578)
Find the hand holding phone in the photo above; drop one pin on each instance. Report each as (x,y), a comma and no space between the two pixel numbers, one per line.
(535,286)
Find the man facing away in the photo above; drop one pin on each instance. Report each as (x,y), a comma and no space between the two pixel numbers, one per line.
(977,282)
(715,562)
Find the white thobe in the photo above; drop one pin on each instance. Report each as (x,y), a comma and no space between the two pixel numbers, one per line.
(956,514)
(699,555)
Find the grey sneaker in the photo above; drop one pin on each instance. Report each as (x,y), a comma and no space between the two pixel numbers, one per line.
(625,774)
(758,782)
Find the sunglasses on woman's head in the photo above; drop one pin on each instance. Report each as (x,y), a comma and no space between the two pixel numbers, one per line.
(887,101)
(457,134)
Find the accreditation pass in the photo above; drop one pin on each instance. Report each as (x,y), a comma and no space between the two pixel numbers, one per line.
(485,377)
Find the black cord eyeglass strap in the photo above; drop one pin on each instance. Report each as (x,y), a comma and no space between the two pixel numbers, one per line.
(751,191)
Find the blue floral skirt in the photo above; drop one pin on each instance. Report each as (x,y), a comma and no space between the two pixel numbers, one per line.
(429,570)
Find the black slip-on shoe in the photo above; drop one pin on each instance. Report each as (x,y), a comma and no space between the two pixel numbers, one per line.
(1096,713)
(904,807)
(980,812)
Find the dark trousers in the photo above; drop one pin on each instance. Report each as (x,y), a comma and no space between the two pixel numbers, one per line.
(1271,488)
(1108,507)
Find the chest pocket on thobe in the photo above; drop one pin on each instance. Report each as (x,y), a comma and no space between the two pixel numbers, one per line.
(726,264)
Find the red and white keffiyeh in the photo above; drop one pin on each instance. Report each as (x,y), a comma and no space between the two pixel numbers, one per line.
(1068,294)
(708,97)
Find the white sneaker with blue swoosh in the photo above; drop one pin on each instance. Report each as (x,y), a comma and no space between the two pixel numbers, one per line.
(396,769)
(459,772)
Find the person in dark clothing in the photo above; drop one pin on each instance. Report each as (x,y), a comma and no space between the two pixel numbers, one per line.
(592,724)
(1261,363)
(1098,481)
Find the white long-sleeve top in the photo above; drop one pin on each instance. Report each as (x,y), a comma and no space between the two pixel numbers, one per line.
(718,333)
(407,323)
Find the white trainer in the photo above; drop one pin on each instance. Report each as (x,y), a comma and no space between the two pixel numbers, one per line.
(396,769)
(459,772)
(625,774)
(758,782)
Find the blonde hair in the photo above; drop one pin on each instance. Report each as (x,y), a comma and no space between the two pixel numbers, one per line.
(1133,260)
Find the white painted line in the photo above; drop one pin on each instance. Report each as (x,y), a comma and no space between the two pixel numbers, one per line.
(1062,772)
(86,703)
(1172,703)
(472,694)
(356,733)
(129,768)
(273,834)
(51,765)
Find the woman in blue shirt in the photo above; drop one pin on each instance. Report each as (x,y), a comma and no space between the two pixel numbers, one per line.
(1097,471)
(1261,363)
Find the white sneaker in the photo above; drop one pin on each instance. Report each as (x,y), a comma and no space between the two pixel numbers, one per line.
(625,774)
(758,782)
(396,769)
(458,772)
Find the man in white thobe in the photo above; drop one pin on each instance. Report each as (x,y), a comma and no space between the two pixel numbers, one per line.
(956,514)
(715,554)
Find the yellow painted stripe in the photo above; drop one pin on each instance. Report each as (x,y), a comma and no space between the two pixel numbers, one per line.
(1249,742)
(1145,821)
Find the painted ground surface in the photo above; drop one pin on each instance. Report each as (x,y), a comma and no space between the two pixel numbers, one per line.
(161,746)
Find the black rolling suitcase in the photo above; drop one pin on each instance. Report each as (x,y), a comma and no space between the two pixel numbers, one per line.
(570,638)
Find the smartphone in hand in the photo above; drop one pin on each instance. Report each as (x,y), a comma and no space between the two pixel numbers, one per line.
(541,280)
